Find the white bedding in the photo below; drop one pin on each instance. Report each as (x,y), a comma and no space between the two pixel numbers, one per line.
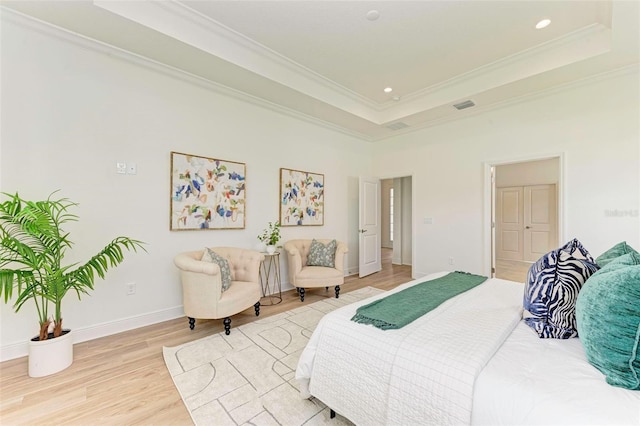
(397,377)
(422,373)
(537,381)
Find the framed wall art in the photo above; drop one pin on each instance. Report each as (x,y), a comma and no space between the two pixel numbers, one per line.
(301,198)
(206,193)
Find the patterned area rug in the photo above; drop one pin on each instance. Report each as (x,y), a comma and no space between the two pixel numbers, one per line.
(248,377)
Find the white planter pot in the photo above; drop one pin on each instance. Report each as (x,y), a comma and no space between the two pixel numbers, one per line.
(50,356)
(271,249)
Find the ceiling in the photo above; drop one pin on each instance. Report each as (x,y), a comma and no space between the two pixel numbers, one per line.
(325,61)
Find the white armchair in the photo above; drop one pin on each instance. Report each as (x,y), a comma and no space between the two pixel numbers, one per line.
(202,294)
(303,276)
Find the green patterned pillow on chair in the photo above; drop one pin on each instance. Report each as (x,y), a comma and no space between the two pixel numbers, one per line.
(322,254)
(225,271)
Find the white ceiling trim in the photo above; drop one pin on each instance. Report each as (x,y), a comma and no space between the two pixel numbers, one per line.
(80,40)
(190,27)
(477,110)
(65,35)
(193,28)
(579,45)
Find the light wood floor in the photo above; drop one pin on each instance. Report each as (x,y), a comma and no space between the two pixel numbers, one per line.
(122,379)
(512,270)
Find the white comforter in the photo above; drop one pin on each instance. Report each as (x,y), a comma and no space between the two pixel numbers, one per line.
(533,381)
(423,373)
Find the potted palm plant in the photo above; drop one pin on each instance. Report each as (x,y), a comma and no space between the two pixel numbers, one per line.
(32,248)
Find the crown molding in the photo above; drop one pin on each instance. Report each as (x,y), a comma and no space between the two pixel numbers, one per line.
(196,29)
(190,27)
(84,42)
(239,39)
(586,81)
(535,52)
(79,40)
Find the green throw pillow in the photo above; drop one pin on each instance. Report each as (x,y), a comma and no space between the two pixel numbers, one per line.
(620,262)
(322,254)
(225,272)
(614,252)
(608,317)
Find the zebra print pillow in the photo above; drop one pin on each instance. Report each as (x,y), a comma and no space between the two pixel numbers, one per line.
(552,287)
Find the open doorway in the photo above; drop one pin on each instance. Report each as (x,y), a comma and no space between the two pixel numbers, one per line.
(525,214)
(398,205)
(396,219)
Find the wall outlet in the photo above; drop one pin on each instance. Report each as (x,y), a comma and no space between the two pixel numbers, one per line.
(121,168)
(451,262)
(131,289)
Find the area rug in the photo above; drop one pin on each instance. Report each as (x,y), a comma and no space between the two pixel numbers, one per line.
(248,377)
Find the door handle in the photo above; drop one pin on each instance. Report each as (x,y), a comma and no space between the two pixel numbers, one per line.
(362,231)
(527,227)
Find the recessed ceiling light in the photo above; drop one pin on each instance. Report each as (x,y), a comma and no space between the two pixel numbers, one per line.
(542,24)
(388,90)
(372,15)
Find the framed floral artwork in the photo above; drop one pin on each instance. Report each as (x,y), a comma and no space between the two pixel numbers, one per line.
(301,198)
(206,193)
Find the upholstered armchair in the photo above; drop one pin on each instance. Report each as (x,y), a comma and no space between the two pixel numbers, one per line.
(304,276)
(202,283)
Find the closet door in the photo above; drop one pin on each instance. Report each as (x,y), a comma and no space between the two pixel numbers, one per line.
(509,223)
(540,221)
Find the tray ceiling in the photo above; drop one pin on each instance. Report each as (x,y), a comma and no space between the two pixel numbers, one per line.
(326,61)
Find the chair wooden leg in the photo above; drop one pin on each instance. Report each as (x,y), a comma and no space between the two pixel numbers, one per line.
(337,291)
(301,293)
(227,325)
(192,323)
(332,414)
(257,308)
(326,289)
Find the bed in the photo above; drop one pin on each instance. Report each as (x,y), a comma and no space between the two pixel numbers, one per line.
(469,361)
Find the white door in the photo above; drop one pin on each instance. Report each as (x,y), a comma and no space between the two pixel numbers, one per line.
(540,221)
(509,223)
(369,227)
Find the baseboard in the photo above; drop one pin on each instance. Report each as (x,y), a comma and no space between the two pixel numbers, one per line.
(17,350)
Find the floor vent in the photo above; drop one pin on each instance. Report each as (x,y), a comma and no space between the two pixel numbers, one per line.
(397,125)
(465,104)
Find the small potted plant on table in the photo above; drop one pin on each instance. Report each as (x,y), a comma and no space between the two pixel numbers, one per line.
(270,236)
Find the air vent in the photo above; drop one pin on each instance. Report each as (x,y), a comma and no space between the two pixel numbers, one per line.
(397,125)
(465,104)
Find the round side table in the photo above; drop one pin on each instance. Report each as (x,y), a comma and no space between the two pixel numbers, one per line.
(270,279)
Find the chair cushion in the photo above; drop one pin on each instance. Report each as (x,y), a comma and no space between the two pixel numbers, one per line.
(609,321)
(322,254)
(225,271)
(319,276)
(552,287)
(618,250)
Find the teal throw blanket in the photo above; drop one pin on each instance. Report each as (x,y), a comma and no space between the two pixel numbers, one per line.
(401,308)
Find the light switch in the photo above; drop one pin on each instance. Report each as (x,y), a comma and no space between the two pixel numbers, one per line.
(121,168)
(427,220)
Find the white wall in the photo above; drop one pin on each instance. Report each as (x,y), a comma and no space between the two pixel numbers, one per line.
(595,124)
(398,224)
(528,173)
(402,226)
(69,113)
(385,211)
(406,220)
